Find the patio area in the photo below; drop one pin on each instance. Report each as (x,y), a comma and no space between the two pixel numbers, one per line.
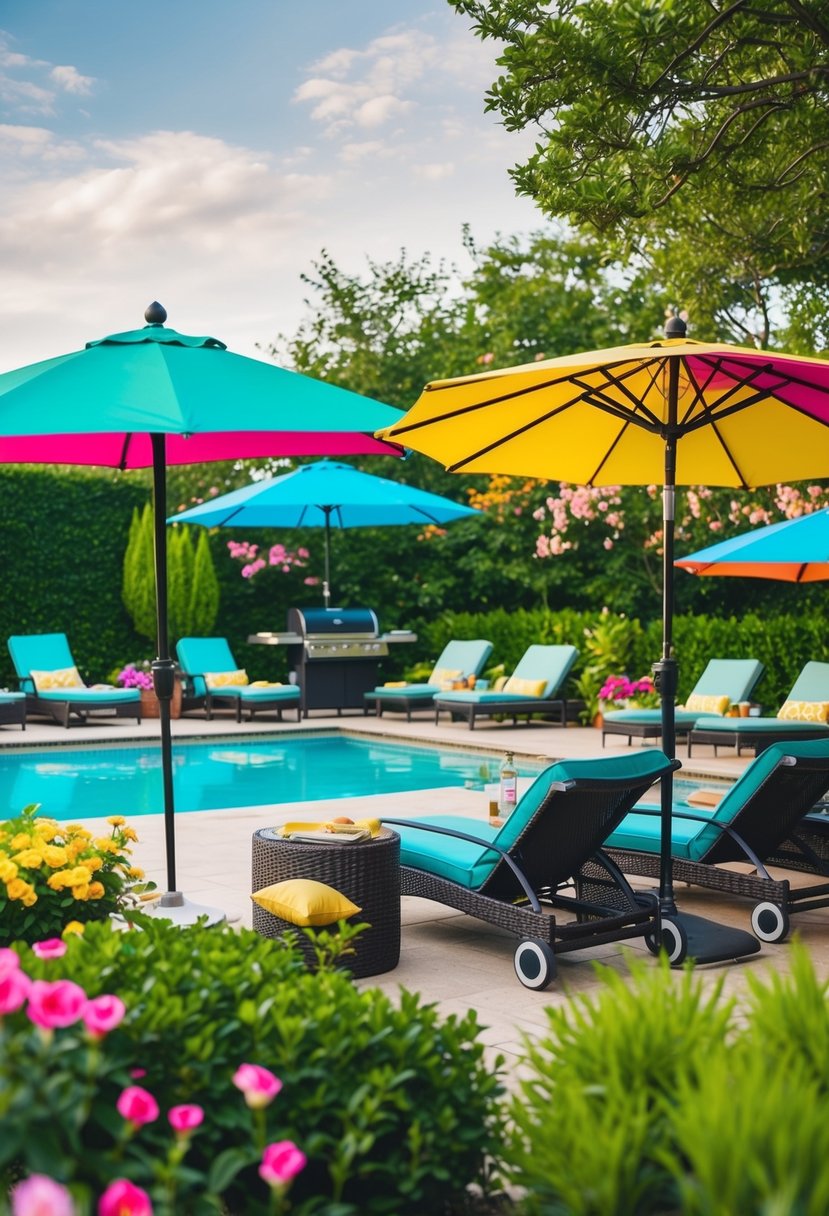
(449,958)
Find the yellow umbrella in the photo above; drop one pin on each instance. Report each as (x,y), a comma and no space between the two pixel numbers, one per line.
(673,411)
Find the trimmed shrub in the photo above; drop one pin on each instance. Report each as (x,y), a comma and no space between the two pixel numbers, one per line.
(394,1106)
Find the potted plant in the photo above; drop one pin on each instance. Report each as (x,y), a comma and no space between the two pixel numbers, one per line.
(139,675)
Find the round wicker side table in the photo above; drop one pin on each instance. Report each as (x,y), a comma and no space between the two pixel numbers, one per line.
(368,873)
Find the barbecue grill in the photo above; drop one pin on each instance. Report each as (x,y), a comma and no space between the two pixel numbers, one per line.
(334,654)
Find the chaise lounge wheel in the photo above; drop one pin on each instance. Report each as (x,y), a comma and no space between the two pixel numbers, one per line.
(535,963)
(770,922)
(672,939)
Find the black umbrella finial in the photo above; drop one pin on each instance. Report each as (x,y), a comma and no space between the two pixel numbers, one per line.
(155,313)
(675,326)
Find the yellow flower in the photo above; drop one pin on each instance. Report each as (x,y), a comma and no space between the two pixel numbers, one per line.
(60,879)
(29,898)
(116,820)
(21,841)
(8,870)
(96,890)
(18,889)
(30,858)
(129,834)
(91,863)
(81,892)
(46,829)
(54,856)
(74,848)
(104,845)
(135,872)
(74,926)
(75,829)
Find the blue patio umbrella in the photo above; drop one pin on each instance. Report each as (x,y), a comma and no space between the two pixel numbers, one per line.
(794,551)
(322,495)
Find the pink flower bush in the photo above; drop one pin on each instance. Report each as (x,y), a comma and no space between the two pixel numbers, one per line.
(620,688)
(124,1198)
(56,1003)
(252,562)
(258,1085)
(134,677)
(185,1118)
(281,1162)
(137,1105)
(103,1014)
(14,983)
(52,947)
(41,1196)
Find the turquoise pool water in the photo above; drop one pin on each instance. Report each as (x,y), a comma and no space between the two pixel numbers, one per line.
(86,782)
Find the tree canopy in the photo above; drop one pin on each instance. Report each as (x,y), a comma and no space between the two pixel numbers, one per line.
(696,130)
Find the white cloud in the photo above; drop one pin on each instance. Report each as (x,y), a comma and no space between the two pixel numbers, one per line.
(435,172)
(70,80)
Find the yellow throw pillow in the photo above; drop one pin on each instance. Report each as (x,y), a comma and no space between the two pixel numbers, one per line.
(699,704)
(62,677)
(266,684)
(304,901)
(226,679)
(526,688)
(804,711)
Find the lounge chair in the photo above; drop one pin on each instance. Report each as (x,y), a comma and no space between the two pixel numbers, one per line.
(458,661)
(211,678)
(757,821)
(533,688)
(49,677)
(724,682)
(802,716)
(513,875)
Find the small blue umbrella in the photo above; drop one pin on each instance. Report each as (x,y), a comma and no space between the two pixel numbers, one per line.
(794,551)
(321,495)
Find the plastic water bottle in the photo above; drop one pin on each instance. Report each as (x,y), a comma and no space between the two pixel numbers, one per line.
(508,791)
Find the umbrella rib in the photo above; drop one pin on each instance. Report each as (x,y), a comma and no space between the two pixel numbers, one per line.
(125,447)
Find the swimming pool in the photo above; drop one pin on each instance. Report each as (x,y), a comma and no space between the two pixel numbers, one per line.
(91,782)
(85,782)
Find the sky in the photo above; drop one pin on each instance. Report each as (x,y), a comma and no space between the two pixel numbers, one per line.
(203,154)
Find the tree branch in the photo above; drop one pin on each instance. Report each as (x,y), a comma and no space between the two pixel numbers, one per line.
(719,20)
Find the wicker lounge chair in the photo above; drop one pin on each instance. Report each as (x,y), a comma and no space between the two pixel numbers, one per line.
(514,875)
(808,698)
(208,674)
(533,688)
(49,677)
(458,661)
(724,681)
(13,709)
(757,821)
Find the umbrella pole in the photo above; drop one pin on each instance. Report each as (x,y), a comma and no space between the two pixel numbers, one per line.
(326,582)
(172,905)
(163,666)
(666,672)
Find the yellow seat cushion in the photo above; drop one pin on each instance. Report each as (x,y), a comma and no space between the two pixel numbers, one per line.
(444,677)
(804,711)
(700,704)
(61,677)
(264,684)
(304,901)
(226,679)
(525,688)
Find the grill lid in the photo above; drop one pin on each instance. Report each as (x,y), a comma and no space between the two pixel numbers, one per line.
(324,622)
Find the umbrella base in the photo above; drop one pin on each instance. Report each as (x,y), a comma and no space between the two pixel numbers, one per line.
(175,907)
(704,941)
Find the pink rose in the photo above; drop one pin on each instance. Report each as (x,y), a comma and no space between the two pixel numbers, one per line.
(103,1014)
(55,1003)
(259,1086)
(40,1196)
(124,1198)
(14,988)
(9,961)
(53,947)
(185,1118)
(138,1073)
(281,1162)
(137,1105)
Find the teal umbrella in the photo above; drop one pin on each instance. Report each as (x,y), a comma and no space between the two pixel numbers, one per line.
(321,495)
(153,396)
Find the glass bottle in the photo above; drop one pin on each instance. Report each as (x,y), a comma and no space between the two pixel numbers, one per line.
(508,787)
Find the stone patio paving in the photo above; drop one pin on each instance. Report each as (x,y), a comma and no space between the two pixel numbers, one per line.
(449,958)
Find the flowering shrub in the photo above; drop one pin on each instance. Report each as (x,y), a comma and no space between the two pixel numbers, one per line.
(53,874)
(620,689)
(135,675)
(253,561)
(60,1082)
